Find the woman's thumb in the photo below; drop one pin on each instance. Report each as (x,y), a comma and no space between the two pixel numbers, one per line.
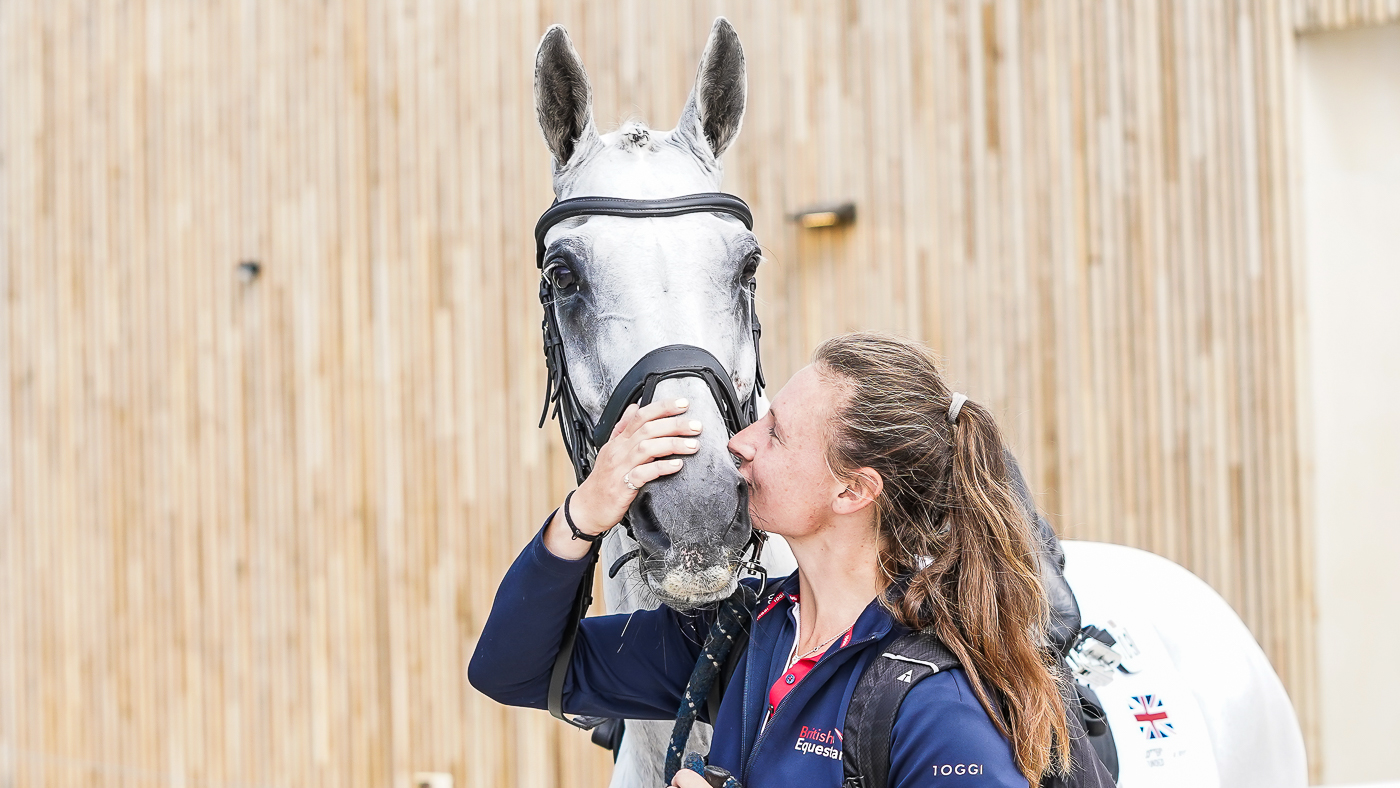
(625,420)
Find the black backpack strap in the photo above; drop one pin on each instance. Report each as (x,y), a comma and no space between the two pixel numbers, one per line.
(881,690)
(1050,557)
(879,693)
(583,599)
(1093,758)
(1095,721)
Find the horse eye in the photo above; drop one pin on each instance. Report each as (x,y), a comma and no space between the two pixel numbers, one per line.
(751,266)
(561,277)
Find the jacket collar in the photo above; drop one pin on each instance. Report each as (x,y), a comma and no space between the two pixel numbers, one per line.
(873,623)
(772,620)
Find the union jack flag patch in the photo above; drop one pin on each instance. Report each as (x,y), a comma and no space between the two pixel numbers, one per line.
(1151,716)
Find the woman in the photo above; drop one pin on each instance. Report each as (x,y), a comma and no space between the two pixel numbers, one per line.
(894,495)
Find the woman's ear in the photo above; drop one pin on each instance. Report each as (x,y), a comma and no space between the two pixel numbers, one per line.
(863,487)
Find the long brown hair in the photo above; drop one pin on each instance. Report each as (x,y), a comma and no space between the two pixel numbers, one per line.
(956,544)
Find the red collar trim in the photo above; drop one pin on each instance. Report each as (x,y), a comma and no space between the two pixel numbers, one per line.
(772,603)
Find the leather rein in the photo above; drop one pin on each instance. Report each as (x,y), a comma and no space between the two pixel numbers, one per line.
(582,437)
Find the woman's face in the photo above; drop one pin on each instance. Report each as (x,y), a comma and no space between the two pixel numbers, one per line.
(783,458)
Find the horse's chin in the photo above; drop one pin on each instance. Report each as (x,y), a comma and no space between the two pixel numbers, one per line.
(686,590)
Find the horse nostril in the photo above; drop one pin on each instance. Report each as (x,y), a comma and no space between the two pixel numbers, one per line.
(645,528)
(741,511)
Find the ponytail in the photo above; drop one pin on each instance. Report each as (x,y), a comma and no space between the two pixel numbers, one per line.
(956,544)
(996,589)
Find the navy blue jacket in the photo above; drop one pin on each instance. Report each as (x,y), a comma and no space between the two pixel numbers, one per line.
(636,666)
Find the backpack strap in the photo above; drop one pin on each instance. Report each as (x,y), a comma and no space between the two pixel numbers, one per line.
(583,599)
(881,690)
(879,693)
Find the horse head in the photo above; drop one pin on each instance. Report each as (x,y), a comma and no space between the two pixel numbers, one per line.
(618,287)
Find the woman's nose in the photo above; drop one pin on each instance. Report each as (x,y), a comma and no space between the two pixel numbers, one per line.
(740,446)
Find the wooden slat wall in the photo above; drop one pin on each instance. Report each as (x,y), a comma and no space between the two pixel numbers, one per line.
(1312,16)
(249,528)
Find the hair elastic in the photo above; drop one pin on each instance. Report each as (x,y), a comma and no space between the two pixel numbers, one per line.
(956,407)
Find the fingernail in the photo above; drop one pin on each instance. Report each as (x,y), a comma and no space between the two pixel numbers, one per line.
(690,444)
(675,463)
(694,425)
(682,403)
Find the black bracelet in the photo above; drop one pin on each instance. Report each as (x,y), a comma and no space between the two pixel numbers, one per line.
(570,520)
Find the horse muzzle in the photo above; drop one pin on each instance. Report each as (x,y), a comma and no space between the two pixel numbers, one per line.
(691,544)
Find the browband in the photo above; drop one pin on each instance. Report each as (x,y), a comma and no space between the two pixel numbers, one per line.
(707,202)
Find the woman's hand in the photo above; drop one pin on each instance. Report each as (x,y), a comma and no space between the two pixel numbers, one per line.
(685,778)
(624,464)
(629,460)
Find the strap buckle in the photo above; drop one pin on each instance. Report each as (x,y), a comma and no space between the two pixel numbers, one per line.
(1098,655)
(585,722)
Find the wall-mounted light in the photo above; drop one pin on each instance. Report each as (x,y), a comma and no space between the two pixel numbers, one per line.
(829,215)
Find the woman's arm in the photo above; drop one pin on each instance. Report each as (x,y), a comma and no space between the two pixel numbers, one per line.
(632,665)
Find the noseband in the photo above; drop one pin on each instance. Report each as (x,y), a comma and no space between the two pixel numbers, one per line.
(583,438)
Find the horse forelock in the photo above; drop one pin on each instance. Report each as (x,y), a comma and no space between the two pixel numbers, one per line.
(634,135)
(639,162)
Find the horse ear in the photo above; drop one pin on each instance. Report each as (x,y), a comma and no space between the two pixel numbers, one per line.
(563,99)
(716,106)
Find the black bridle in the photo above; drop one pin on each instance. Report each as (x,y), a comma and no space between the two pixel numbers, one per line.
(582,437)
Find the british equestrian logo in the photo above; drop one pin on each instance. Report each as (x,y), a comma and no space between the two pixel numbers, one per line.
(818,741)
(1151,716)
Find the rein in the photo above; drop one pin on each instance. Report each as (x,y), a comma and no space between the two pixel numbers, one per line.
(582,437)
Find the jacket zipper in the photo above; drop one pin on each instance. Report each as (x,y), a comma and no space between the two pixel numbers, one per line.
(753,753)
